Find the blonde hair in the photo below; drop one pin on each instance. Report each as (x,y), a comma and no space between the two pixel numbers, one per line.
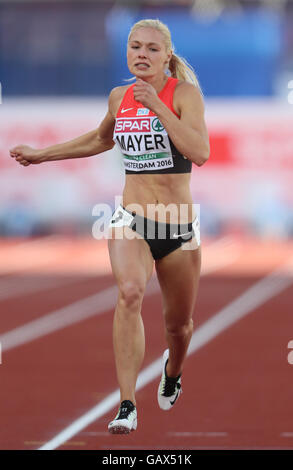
(178,66)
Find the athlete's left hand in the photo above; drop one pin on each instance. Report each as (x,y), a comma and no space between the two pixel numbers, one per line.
(146,94)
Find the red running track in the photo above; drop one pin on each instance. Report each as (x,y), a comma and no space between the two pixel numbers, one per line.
(236,388)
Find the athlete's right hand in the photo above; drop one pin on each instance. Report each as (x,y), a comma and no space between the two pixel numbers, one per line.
(26,155)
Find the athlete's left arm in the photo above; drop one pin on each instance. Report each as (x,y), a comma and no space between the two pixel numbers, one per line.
(189,133)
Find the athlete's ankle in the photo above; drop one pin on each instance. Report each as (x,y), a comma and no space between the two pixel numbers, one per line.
(126,398)
(172,373)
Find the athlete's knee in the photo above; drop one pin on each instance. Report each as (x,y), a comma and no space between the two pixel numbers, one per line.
(131,293)
(179,328)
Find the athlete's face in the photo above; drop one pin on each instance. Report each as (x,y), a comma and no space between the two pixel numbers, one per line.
(146,53)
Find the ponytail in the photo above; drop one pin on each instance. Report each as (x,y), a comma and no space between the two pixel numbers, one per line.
(181,69)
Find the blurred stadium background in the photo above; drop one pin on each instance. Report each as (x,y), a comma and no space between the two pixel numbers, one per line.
(60,59)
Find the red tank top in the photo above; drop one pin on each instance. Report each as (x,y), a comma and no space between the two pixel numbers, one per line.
(143,140)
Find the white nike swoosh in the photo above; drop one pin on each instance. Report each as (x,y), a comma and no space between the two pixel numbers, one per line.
(172,402)
(124,110)
(177,235)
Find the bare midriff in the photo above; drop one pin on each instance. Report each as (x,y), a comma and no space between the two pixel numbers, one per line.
(165,198)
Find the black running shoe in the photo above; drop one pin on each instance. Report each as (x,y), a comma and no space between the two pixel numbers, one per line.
(125,420)
(169,388)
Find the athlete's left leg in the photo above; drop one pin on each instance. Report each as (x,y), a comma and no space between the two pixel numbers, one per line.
(178,275)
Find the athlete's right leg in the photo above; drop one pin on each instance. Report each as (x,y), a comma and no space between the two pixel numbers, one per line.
(132,265)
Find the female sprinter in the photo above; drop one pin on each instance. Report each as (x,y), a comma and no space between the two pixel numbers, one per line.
(158,122)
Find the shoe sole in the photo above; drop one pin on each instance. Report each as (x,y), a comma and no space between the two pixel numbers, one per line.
(120,429)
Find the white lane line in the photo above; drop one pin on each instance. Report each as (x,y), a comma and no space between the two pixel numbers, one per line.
(95,433)
(78,311)
(20,285)
(90,306)
(198,434)
(225,251)
(252,298)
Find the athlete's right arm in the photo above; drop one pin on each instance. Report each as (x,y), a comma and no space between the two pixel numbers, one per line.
(89,144)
